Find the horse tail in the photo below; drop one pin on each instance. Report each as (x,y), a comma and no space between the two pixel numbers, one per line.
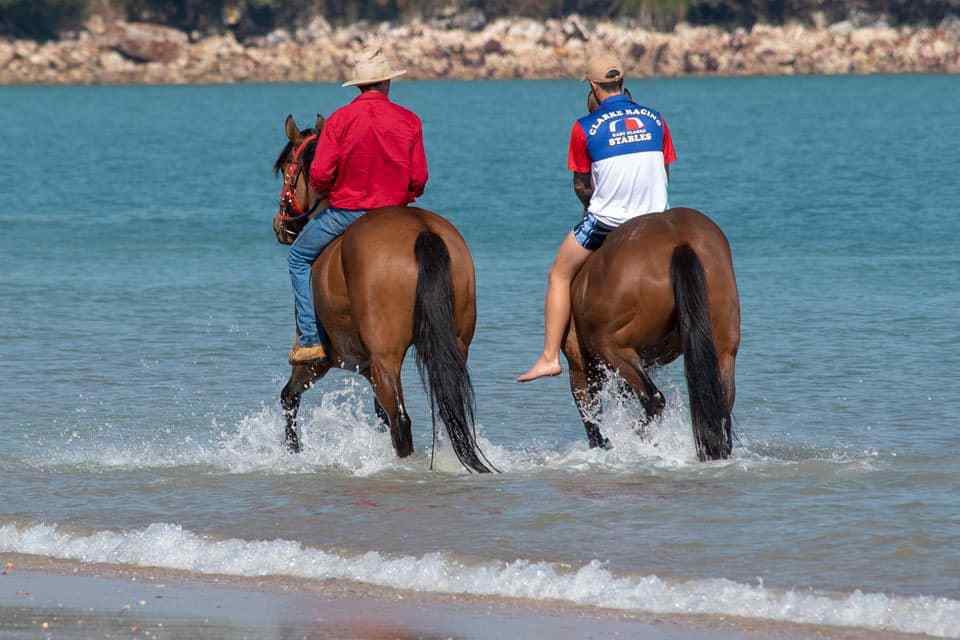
(711,421)
(441,360)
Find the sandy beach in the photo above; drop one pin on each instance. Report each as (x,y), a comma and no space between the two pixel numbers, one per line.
(42,597)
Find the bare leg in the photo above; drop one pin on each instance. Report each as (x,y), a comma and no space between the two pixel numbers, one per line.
(302,377)
(385,376)
(556,308)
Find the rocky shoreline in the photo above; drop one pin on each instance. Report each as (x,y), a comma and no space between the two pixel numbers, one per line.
(128,52)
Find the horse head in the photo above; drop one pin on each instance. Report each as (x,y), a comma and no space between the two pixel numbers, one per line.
(297,199)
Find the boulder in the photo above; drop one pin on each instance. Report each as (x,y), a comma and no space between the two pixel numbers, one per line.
(574,29)
(142,42)
(470,20)
(493,46)
(844,27)
(6,53)
(951,27)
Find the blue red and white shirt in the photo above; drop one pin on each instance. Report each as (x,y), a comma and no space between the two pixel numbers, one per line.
(626,147)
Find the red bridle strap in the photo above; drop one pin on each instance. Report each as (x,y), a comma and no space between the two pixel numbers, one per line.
(289,207)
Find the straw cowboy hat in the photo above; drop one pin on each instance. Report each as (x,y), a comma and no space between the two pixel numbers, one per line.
(371,67)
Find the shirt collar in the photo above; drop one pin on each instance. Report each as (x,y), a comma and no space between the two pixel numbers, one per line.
(614,99)
(370,95)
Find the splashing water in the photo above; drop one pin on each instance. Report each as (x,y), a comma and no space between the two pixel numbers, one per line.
(342,435)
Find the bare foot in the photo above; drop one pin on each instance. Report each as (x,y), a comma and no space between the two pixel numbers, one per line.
(542,368)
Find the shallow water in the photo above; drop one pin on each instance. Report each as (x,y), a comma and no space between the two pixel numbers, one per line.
(146,312)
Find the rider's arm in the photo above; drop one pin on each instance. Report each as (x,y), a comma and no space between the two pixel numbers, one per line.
(669,151)
(418,167)
(583,187)
(323,170)
(578,161)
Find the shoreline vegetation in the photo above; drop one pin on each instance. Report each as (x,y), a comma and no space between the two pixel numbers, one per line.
(116,51)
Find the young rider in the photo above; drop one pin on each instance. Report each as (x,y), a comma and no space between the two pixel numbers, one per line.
(619,155)
(369,155)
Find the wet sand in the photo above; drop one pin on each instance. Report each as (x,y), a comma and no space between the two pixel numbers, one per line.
(40,597)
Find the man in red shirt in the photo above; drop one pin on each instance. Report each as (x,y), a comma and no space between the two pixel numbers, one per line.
(369,155)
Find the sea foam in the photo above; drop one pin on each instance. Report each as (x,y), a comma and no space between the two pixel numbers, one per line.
(593,584)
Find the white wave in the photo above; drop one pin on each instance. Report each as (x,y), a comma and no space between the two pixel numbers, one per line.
(170,546)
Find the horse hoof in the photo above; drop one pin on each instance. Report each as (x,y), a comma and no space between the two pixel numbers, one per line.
(601,443)
(293,445)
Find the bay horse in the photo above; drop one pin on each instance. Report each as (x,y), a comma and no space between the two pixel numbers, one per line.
(398,277)
(661,284)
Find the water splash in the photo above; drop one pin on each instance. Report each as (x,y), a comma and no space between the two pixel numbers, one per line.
(342,435)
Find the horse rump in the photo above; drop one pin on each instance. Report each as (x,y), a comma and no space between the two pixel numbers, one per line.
(712,431)
(441,360)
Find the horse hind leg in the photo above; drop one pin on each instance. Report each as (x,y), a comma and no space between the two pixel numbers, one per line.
(585,387)
(726,362)
(302,377)
(385,378)
(586,395)
(383,418)
(638,385)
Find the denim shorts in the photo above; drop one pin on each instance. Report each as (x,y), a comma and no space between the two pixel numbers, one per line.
(590,232)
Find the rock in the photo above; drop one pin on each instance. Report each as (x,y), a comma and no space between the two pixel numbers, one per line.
(317,29)
(506,48)
(144,42)
(278,37)
(24,48)
(860,19)
(493,46)
(951,27)
(470,20)
(96,25)
(6,53)
(574,29)
(843,27)
(113,62)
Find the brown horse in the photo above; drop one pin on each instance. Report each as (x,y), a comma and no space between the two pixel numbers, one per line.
(399,277)
(660,285)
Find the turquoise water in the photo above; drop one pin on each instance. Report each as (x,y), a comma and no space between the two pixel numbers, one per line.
(145,315)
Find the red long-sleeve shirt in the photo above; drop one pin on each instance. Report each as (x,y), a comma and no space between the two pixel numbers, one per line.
(370,154)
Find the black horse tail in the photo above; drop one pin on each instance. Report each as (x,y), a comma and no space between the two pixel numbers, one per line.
(712,429)
(440,359)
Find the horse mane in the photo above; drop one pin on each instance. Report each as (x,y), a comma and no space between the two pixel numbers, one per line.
(306,158)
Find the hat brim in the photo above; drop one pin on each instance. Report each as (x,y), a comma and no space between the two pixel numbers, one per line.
(587,78)
(363,81)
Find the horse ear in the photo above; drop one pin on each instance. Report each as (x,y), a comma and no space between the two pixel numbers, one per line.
(319,124)
(592,103)
(292,130)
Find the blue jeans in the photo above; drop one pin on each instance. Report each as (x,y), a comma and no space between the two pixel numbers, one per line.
(326,227)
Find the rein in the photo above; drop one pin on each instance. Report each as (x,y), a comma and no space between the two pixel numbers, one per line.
(290,209)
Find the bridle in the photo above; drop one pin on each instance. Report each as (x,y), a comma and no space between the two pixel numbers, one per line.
(290,209)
